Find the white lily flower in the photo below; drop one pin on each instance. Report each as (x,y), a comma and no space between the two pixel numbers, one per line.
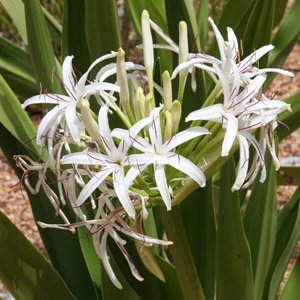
(112,163)
(65,108)
(159,154)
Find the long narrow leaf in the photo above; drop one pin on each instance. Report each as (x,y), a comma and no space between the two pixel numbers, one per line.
(40,47)
(73,36)
(259,28)
(199,222)
(290,119)
(15,9)
(202,16)
(233,271)
(15,119)
(288,234)
(24,270)
(16,69)
(63,249)
(260,226)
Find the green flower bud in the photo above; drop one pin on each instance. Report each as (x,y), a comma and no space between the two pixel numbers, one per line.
(139,104)
(167,86)
(176,115)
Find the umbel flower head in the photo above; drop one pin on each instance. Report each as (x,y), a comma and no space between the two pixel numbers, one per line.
(122,172)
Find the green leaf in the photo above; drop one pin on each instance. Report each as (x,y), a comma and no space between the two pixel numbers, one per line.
(55,29)
(92,261)
(135,9)
(291,290)
(73,36)
(290,119)
(109,291)
(40,47)
(260,222)
(280,7)
(16,69)
(288,234)
(24,270)
(288,176)
(15,9)
(102,28)
(285,39)
(259,28)
(233,260)
(199,222)
(63,249)
(202,23)
(15,119)
(151,288)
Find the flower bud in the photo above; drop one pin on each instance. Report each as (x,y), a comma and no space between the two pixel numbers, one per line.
(122,77)
(148,104)
(176,115)
(183,42)
(168,132)
(147,42)
(89,123)
(167,86)
(139,104)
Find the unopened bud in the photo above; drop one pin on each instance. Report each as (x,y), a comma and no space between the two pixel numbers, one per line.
(89,123)
(139,104)
(148,104)
(147,42)
(176,115)
(168,132)
(122,76)
(183,42)
(167,86)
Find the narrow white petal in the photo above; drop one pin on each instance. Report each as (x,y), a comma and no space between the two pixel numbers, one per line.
(105,132)
(243,163)
(133,172)
(219,38)
(161,182)
(230,135)
(155,127)
(47,122)
(47,99)
(186,166)
(92,185)
(183,137)
(275,70)
(73,123)
(85,158)
(232,40)
(213,113)
(96,87)
(82,80)
(68,79)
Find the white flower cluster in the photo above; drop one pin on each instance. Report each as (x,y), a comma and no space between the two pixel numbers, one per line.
(141,165)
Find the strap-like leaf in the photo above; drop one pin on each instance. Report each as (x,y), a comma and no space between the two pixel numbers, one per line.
(73,36)
(63,249)
(260,226)
(288,176)
(288,234)
(233,260)
(24,270)
(40,47)
(259,28)
(16,69)
(15,119)
(198,217)
(290,119)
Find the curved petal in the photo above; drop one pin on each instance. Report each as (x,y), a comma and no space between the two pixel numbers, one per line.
(68,79)
(155,128)
(122,191)
(230,135)
(96,87)
(243,163)
(219,38)
(82,80)
(161,182)
(73,122)
(186,166)
(47,99)
(183,137)
(85,158)
(212,113)
(92,185)
(106,133)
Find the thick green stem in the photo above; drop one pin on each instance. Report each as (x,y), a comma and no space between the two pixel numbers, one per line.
(185,268)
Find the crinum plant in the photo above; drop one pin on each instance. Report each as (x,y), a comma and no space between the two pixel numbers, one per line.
(123,152)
